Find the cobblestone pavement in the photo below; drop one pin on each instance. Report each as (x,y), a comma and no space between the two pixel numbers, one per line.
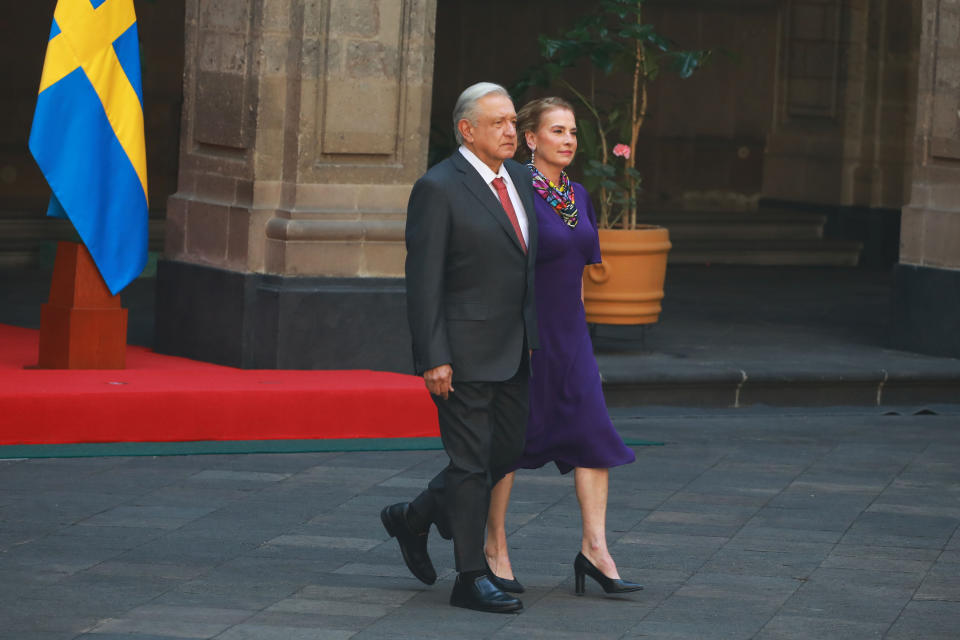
(757,523)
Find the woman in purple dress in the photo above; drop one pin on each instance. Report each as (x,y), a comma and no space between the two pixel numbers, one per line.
(568,421)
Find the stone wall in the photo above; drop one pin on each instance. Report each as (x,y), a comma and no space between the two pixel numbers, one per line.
(926,307)
(843,110)
(305,128)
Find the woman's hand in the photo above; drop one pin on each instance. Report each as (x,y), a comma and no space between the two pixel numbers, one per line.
(439,380)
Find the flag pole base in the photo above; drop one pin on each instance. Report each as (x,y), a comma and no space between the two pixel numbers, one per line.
(83,325)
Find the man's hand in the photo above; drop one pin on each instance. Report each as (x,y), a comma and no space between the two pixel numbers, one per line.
(439,380)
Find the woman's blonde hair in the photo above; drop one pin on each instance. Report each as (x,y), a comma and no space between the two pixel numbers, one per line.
(530,116)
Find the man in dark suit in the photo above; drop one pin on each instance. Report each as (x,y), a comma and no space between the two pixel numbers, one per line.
(471,246)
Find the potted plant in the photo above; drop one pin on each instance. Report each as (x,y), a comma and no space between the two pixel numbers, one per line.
(628,286)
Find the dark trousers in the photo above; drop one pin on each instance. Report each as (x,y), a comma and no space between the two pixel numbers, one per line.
(483,428)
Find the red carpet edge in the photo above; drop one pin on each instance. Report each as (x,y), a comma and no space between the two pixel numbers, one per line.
(159,399)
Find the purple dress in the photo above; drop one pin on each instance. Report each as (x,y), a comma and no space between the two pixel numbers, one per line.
(568,424)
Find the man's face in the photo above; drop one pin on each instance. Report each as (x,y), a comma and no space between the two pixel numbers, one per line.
(494,136)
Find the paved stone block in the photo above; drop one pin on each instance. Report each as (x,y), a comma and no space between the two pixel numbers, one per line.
(857,596)
(927,620)
(266,632)
(151,517)
(868,558)
(913,525)
(337,616)
(357,595)
(941,583)
(791,627)
(808,518)
(358,544)
(742,629)
(763,563)
(245,477)
(586,615)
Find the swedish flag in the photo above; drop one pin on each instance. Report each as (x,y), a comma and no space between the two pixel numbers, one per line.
(87,134)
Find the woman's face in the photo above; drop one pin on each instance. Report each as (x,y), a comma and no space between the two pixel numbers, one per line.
(555,141)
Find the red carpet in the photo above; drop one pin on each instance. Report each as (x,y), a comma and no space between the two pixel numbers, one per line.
(166,399)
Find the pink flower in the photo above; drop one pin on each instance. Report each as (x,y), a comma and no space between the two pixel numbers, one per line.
(622,151)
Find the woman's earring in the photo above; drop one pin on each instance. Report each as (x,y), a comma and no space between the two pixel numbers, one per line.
(533,154)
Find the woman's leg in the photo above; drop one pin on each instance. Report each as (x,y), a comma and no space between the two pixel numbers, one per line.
(498,557)
(592,486)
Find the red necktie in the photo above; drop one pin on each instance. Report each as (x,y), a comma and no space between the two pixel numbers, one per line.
(501,186)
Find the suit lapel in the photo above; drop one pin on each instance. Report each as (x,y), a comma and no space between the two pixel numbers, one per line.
(490,202)
(522,181)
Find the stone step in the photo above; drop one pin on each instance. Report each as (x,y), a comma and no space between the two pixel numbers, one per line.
(738,225)
(628,383)
(781,252)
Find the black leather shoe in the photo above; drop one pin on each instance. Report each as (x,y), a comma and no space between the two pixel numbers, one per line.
(413,545)
(510,586)
(479,594)
(583,567)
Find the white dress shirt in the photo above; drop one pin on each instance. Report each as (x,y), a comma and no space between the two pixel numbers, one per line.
(488,176)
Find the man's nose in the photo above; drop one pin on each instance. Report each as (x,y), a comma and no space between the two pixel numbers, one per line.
(511,129)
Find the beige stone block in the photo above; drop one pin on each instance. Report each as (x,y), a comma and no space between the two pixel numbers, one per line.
(361,117)
(244,195)
(388,197)
(268,158)
(276,15)
(219,114)
(941,241)
(371,60)
(911,236)
(228,15)
(274,52)
(206,232)
(272,108)
(327,197)
(357,17)
(222,52)
(332,259)
(238,238)
(946,196)
(174,244)
(256,251)
(212,187)
(384,259)
(267,194)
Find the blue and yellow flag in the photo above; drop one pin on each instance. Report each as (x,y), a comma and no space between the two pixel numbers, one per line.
(87,134)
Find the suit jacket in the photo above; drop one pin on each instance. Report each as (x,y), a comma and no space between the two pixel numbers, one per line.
(470,299)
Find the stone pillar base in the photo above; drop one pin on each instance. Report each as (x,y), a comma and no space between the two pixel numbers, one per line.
(258,321)
(925,302)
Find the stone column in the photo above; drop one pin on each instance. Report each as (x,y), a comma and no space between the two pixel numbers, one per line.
(926,310)
(839,129)
(305,124)
(841,119)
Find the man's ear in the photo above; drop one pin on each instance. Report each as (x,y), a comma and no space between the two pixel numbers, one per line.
(465,129)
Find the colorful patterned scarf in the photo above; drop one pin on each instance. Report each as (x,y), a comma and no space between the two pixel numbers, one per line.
(559,197)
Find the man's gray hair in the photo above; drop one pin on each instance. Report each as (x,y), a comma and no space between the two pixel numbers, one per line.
(466,107)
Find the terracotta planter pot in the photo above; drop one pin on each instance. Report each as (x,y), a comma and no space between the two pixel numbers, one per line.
(628,286)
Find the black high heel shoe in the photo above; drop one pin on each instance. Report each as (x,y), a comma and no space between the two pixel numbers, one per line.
(510,586)
(583,567)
